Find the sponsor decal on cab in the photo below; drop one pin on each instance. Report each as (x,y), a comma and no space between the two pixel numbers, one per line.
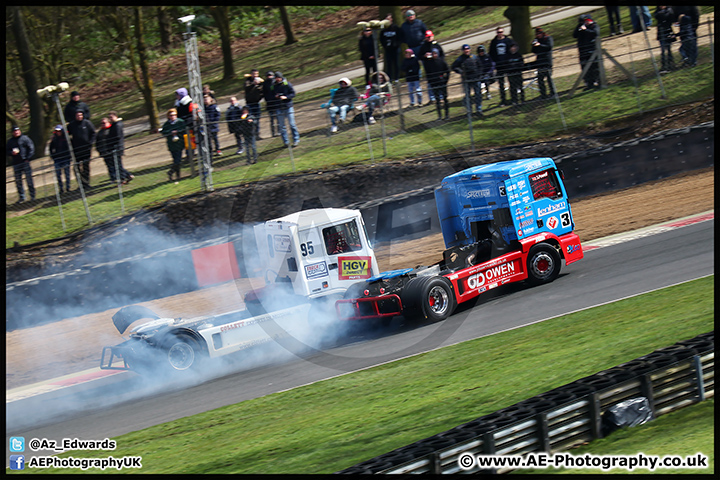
(354,268)
(551,209)
(316,270)
(494,274)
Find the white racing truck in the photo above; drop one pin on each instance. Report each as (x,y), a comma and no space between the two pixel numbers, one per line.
(309,259)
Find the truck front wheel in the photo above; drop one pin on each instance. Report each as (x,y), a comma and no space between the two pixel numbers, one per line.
(431,297)
(543,264)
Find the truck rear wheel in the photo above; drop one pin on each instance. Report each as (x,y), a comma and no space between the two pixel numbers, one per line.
(543,264)
(182,352)
(429,297)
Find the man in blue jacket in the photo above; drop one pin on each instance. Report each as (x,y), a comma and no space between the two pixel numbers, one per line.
(413,31)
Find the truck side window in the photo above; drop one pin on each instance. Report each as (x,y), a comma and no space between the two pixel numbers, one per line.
(342,238)
(545,184)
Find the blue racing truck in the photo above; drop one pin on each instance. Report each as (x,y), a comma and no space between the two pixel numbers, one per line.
(503,222)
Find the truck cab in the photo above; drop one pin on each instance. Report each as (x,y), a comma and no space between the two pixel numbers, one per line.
(501,223)
(514,199)
(312,254)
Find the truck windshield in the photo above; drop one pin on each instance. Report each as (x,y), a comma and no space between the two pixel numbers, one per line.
(545,185)
(342,238)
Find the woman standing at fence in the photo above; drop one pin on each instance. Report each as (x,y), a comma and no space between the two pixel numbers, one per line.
(411,67)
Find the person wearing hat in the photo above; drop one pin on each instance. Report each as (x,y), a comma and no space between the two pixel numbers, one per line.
(83,134)
(74,105)
(173,130)
(425,55)
(366,45)
(469,66)
(391,38)
(586,32)
(437,74)
(184,107)
(542,47)
(487,67)
(342,101)
(117,143)
(270,102)
(284,94)
(411,68)
(21,149)
(60,154)
(413,31)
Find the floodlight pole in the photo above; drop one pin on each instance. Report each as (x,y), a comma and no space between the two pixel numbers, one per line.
(195,83)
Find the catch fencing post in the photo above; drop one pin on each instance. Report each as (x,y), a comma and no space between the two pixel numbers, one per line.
(195,81)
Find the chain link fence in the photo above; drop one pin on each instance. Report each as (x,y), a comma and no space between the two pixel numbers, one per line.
(631,71)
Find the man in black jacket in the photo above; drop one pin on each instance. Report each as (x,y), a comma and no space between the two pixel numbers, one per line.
(437,74)
(470,68)
(542,47)
(253,95)
(271,102)
(515,67)
(499,52)
(390,39)
(82,133)
(117,143)
(425,55)
(284,94)
(21,150)
(73,106)
(586,32)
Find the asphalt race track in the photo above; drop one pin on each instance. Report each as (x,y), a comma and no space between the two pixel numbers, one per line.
(633,266)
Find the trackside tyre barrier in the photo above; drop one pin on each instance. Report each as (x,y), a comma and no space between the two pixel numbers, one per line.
(521,413)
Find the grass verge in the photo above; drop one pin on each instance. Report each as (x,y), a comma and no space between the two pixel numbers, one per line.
(332,424)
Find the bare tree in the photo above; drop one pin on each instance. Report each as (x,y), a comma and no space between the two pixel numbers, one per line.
(289,35)
(147,87)
(36,131)
(520,28)
(222,21)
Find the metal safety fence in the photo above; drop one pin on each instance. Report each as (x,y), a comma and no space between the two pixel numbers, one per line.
(632,80)
(668,378)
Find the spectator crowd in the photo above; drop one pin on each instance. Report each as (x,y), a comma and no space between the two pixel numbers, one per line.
(71,145)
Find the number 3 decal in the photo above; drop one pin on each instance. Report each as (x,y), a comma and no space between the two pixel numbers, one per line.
(565,219)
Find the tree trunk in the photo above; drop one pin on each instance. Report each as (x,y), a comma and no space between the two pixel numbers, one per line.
(222,20)
(36,131)
(520,28)
(396,11)
(289,36)
(165,28)
(147,85)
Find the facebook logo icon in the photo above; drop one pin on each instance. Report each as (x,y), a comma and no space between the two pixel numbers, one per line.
(17,462)
(17,444)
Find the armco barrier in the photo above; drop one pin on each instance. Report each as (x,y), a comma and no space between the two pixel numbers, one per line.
(115,283)
(599,170)
(564,417)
